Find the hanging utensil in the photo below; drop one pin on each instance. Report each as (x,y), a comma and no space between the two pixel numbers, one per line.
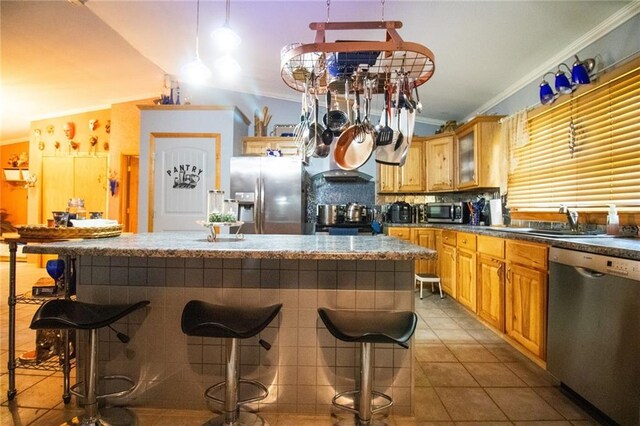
(385,134)
(352,150)
(319,147)
(335,120)
(418,103)
(327,135)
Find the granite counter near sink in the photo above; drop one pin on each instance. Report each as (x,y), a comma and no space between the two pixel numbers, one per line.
(306,365)
(618,246)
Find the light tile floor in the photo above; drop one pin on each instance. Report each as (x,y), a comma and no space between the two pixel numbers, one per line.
(465,374)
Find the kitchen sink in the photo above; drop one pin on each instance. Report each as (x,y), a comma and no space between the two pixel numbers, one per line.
(557,233)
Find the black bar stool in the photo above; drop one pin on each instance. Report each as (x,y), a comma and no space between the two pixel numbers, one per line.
(231,323)
(74,315)
(367,328)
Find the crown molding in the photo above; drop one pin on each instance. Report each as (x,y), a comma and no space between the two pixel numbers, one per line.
(605,27)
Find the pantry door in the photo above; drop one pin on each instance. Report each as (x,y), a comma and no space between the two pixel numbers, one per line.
(183,168)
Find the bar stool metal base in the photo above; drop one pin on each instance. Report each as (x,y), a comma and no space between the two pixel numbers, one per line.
(209,393)
(243,418)
(356,394)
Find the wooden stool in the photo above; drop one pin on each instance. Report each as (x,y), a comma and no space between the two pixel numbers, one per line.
(429,278)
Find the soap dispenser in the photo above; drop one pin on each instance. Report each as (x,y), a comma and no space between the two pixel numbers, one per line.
(613,223)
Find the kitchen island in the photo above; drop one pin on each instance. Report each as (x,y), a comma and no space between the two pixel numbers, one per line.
(305,367)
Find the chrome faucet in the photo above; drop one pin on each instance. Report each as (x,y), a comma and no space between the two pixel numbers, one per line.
(572,217)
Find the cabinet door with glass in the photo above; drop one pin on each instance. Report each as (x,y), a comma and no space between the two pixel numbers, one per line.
(468,158)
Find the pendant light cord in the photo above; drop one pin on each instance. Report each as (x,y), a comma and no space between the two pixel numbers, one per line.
(197,28)
(226,22)
(328,10)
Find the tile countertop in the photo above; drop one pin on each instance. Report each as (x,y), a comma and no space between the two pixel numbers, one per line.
(194,244)
(625,247)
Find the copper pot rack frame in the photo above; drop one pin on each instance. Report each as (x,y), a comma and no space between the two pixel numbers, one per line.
(303,67)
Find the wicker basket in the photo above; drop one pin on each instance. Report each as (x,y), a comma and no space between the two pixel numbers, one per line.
(44,232)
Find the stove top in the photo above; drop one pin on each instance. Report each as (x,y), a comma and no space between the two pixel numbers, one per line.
(358,227)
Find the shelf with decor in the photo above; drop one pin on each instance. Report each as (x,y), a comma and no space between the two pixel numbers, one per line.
(15,174)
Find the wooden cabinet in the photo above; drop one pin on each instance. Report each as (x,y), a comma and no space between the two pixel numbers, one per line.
(491,277)
(426,238)
(440,163)
(447,262)
(410,178)
(420,236)
(478,153)
(257,145)
(466,270)
(526,295)
(402,233)
(74,177)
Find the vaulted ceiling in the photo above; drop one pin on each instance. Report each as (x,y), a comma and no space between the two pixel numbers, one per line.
(61,57)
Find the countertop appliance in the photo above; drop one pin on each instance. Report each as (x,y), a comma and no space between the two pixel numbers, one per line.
(399,212)
(593,343)
(271,192)
(455,212)
(330,214)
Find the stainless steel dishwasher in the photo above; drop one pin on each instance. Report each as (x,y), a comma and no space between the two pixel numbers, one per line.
(593,344)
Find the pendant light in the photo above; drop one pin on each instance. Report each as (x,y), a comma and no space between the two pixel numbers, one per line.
(196,71)
(225,38)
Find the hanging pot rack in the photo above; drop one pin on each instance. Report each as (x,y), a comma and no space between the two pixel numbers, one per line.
(315,67)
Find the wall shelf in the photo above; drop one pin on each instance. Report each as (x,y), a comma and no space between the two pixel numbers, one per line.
(13,174)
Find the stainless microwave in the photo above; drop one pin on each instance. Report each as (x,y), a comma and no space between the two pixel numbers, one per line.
(447,212)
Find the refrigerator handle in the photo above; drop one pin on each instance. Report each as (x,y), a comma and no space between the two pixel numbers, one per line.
(262,206)
(256,206)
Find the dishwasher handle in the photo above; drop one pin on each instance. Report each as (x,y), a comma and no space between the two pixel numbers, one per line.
(588,273)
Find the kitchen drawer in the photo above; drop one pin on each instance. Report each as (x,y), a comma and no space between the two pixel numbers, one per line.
(402,233)
(491,245)
(466,241)
(527,254)
(448,237)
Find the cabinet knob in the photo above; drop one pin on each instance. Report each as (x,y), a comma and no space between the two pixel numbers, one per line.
(464,241)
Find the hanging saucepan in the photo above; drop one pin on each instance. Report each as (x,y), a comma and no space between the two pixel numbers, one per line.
(352,149)
(337,121)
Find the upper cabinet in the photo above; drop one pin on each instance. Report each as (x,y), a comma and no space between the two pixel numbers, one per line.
(440,162)
(411,177)
(470,157)
(478,153)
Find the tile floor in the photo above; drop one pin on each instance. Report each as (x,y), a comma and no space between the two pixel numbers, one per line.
(466,374)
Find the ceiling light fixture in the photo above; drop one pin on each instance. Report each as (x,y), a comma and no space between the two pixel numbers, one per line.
(581,73)
(227,67)
(225,38)
(196,71)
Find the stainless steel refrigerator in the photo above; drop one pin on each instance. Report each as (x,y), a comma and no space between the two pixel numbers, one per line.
(271,192)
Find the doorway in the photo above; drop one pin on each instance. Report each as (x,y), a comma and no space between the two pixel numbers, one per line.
(130,165)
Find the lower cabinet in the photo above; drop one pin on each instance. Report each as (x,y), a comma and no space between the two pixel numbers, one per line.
(503,281)
(420,236)
(425,238)
(466,270)
(447,262)
(491,277)
(526,295)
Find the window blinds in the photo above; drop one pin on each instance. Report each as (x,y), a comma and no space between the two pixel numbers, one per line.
(584,153)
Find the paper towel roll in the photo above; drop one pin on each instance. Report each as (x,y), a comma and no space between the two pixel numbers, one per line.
(495,207)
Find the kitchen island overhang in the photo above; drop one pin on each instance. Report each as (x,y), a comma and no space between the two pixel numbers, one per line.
(306,366)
